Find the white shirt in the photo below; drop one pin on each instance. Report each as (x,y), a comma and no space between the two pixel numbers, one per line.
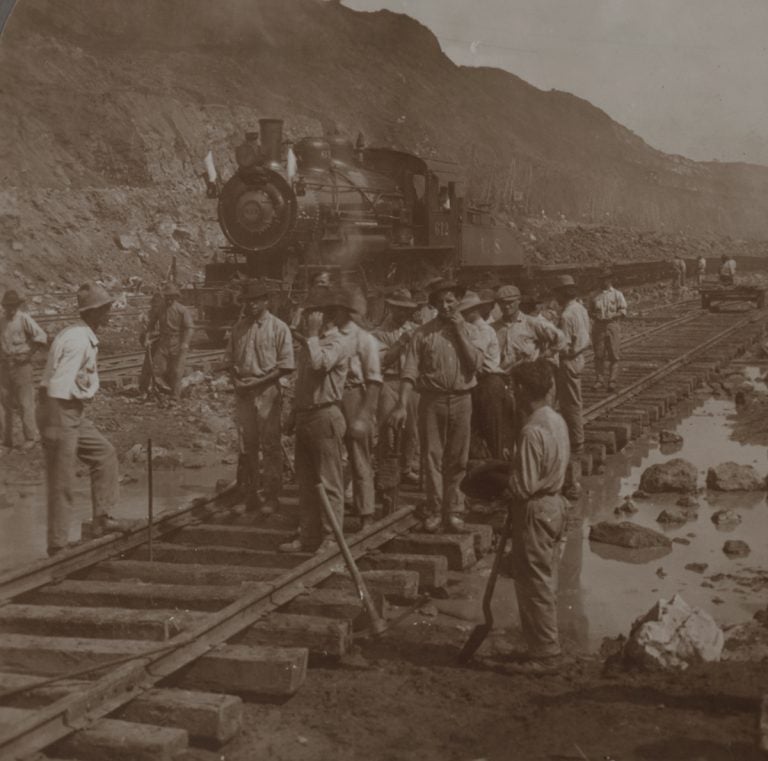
(70,370)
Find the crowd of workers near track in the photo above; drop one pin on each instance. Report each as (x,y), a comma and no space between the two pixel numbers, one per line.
(446,378)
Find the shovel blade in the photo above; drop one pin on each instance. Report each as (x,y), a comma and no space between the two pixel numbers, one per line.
(475,639)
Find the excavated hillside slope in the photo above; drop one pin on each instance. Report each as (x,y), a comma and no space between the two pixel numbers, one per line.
(107,108)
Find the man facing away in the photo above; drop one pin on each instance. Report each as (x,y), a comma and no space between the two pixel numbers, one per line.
(701,271)
(259,353)
(322,365)
(360,399)
(609,307)
(680,268)
(394,334)
(20,338)
(70,380)
(727,269)
(442,362)
(489,396)
(538,519)
(175,326)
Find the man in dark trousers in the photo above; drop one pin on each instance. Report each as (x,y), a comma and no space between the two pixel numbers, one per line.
(442,363)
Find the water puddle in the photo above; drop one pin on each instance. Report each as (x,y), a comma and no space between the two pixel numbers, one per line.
(23,517)
(602,589)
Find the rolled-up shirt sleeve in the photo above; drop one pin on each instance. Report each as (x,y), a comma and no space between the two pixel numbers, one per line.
(326,354)
(370,361)
(34,332)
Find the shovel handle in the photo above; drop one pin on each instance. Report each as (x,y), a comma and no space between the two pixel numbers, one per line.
(377,625)
(491,585)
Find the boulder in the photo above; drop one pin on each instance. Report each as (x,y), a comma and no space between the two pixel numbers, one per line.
(640,494)
(697,567)
(672,517)
(735,548)
(627,507)
(676,475)
(687,500)
(670,437)
(627,534)
(672,635)
(729,476)
(726,518)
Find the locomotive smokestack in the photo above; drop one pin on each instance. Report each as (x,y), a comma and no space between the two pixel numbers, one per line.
(271,138)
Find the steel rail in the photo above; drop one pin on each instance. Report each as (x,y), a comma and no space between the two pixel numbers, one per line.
(598,409)
(53,722)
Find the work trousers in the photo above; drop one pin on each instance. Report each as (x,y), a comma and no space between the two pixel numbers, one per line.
(17,389)
(318,459)
(258,421)
(569,400)
(679,280)
(538,529)
(358,453)
(169,364)
(444,428)
(490,417)
(409,438)
(67,436)
(606,340)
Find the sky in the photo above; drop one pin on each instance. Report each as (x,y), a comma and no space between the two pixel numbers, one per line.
(688,76)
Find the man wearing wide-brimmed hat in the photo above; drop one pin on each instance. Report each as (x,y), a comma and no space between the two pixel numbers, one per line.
(609,307)
(322,365)
(71,380)
(394,334)
(442,363)
(20,338)
(489,396)
(574,324)
(175,325)
(259,352)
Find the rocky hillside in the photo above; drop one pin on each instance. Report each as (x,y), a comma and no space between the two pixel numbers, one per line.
(107,108)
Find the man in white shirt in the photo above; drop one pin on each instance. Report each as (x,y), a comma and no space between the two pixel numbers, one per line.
(70,380)
(727,269)
(701,271)
(609,307)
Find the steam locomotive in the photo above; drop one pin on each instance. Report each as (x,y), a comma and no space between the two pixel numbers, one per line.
(370,215)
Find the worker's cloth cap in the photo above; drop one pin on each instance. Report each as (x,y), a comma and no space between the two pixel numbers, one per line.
(444,284)
(472,300)
(401,298)
(12,299)
(507,293)
(171,289)
(254,289)
(564,281)
(487,481)
(92,296)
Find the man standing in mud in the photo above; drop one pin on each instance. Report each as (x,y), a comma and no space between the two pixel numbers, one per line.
(538,519)
(20,338)
(442,362)
(259,353)
(609,307)
(70,380)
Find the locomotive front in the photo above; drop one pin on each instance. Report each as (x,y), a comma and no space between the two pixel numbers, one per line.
(313,198)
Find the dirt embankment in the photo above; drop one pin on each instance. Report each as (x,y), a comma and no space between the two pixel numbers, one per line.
(107,110)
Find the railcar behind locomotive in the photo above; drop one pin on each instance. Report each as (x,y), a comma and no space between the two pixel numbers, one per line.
(376,215)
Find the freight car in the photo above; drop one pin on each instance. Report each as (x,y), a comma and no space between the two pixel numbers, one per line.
(372,215)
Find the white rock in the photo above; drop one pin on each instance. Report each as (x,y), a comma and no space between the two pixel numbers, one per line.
(672,635)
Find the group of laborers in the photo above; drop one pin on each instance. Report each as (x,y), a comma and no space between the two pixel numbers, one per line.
(726,272)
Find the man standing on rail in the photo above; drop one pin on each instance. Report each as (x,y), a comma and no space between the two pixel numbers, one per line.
(609,307)
(538,521)
(175,325)
(489,396)
(394,334)
(680,268)
(574,325)
(20,338)
(442,362)
(701,271)
(258,354)
(70,380)
(322,365)
(360,399)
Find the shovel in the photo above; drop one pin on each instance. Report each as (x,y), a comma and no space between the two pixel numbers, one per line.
(481,631)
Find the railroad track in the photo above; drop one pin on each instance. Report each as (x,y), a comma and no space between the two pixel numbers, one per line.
(176,637)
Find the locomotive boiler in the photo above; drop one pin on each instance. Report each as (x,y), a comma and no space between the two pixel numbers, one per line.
(372,215)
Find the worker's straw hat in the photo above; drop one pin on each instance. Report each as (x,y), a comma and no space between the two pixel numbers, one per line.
(444,284)
(12,299)
(472,300)
(92,296)
(508,293)
(401,298)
